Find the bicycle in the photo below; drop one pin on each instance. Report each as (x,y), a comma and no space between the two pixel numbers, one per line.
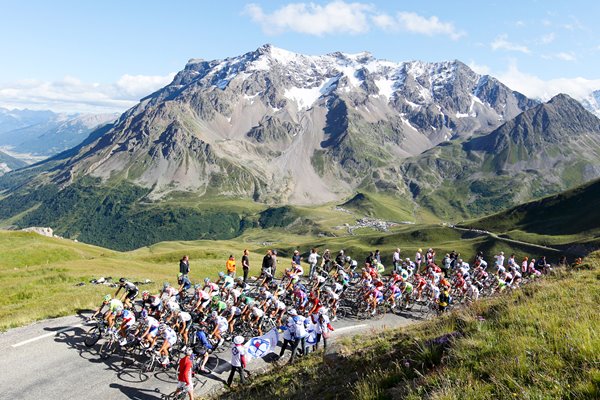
(93,335)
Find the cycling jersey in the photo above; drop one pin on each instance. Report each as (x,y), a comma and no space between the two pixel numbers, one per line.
(185,316)
(169,335)
(128,318)
(115,304)
(222,324)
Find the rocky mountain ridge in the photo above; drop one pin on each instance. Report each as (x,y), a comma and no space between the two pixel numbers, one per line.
(282,127)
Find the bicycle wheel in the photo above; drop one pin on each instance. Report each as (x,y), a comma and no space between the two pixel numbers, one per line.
(92,336)
(108,348)
(147,368)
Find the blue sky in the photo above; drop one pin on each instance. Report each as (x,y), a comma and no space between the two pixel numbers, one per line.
(104,56)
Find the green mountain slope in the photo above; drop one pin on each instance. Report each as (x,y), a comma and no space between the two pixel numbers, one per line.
(569,220)
(549,148)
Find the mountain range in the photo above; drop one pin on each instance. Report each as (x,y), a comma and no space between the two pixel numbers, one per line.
(32,135)
(275,127)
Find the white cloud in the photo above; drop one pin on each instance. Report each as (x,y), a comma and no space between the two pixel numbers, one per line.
(341,17)
(313,19)
(481,69)
(563,56)
(501,43)
(70,94)
(431,26)
(548,38)
(535,87)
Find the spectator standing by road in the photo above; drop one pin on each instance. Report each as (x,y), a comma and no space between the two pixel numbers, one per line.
(245,264)
(238,360)
(313,259)
(396,261)
(184,265)
(267,263)
(230,266)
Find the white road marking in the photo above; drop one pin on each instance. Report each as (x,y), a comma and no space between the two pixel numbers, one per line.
(46,335)
(348,328)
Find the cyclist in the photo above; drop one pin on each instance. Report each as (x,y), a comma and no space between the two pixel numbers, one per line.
(182,324)
(407,290)
(170,338)
(221,327)
(210,287)
(202,347)
(444,300)
(114,307)
(150,334)
(127,322)
(225,281)
(131,291)
(105,300)
(184,283)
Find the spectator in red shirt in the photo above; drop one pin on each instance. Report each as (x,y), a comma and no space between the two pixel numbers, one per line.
(185,374)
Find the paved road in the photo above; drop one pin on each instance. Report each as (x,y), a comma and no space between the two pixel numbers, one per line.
(48,360)
(497,237)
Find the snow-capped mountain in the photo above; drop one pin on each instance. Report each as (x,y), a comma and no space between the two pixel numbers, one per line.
(34,135)
(278,126)
(592,102)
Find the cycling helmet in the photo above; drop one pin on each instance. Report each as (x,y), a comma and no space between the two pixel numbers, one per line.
(197,286)
(118,310)
(206,280)
(323,311)
(166,285)
(144,314)
(402,284)
(420,250)
(221,274)
(407,259)
(348,259)
(107,297)
(214,314)
(179,275)
(122,280)
(189,351)
(262,289)
(162,327)
(240,279)
(292,312)
(215,298)
(145,293)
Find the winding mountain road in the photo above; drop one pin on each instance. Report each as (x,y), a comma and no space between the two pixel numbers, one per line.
(504,239)
(48,360)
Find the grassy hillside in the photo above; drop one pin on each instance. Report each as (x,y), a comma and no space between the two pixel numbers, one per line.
(38,274)
(539,342)
(563,219)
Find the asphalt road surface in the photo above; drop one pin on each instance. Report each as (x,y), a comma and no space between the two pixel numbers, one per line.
(48,360)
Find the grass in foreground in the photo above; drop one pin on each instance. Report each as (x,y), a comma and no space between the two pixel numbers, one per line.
(540,342)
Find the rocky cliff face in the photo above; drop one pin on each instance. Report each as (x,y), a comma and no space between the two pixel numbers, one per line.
(284,127)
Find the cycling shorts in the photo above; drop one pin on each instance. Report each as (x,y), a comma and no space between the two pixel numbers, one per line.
(132,294)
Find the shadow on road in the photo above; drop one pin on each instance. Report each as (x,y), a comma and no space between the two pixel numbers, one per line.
(137,393)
